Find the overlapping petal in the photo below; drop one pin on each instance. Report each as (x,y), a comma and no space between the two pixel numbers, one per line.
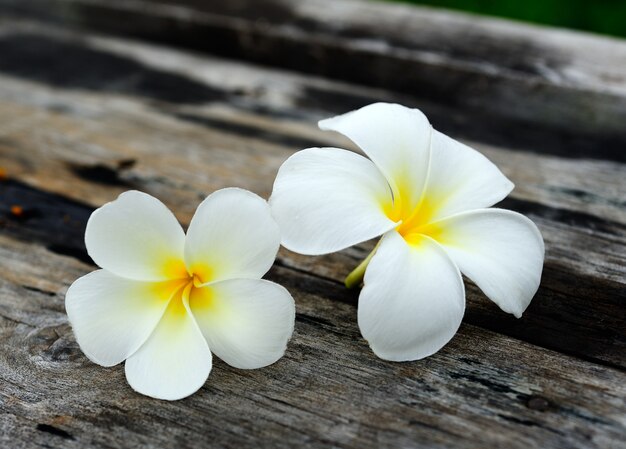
(460,179)
(500,250)
(246,322)
(396,139)
(231,235)
(326,199)
(136,237)
(175,361)
(413,299)
(112,316)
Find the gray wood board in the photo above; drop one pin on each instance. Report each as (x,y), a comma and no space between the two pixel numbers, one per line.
(532,87)
(92,116)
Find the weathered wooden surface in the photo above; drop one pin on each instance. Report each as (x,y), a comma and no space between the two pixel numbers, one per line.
(83,118)
(546,90)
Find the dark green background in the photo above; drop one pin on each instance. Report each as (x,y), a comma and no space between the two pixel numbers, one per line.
(599,16)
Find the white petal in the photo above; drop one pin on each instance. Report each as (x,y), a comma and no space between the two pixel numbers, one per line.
(396,139)
(231,235)
(460,179)
(175,361)
(413,299)
(246,323)
(136,237)
(500,250)
(112,316)
(326,199)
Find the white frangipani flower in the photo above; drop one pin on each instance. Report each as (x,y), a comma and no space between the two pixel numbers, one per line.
(427,195)
(163,300)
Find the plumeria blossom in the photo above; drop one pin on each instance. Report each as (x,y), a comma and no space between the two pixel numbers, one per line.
(427,195)
(164,301)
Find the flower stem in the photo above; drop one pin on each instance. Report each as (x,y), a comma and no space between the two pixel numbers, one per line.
(355,278)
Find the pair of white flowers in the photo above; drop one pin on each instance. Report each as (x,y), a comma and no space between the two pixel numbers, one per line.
(164,301)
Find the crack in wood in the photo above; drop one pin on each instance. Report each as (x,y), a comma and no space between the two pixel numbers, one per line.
(54,431)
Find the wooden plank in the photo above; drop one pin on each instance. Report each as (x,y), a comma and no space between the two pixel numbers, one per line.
(70,139)
(546,90)
(329,389)
(179,125)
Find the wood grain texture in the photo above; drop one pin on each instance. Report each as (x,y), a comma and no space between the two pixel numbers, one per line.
(329,389)
(543,89)
(85,117)
(184,151)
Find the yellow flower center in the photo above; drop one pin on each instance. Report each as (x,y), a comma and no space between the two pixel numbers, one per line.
(415,221)
(186,289)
